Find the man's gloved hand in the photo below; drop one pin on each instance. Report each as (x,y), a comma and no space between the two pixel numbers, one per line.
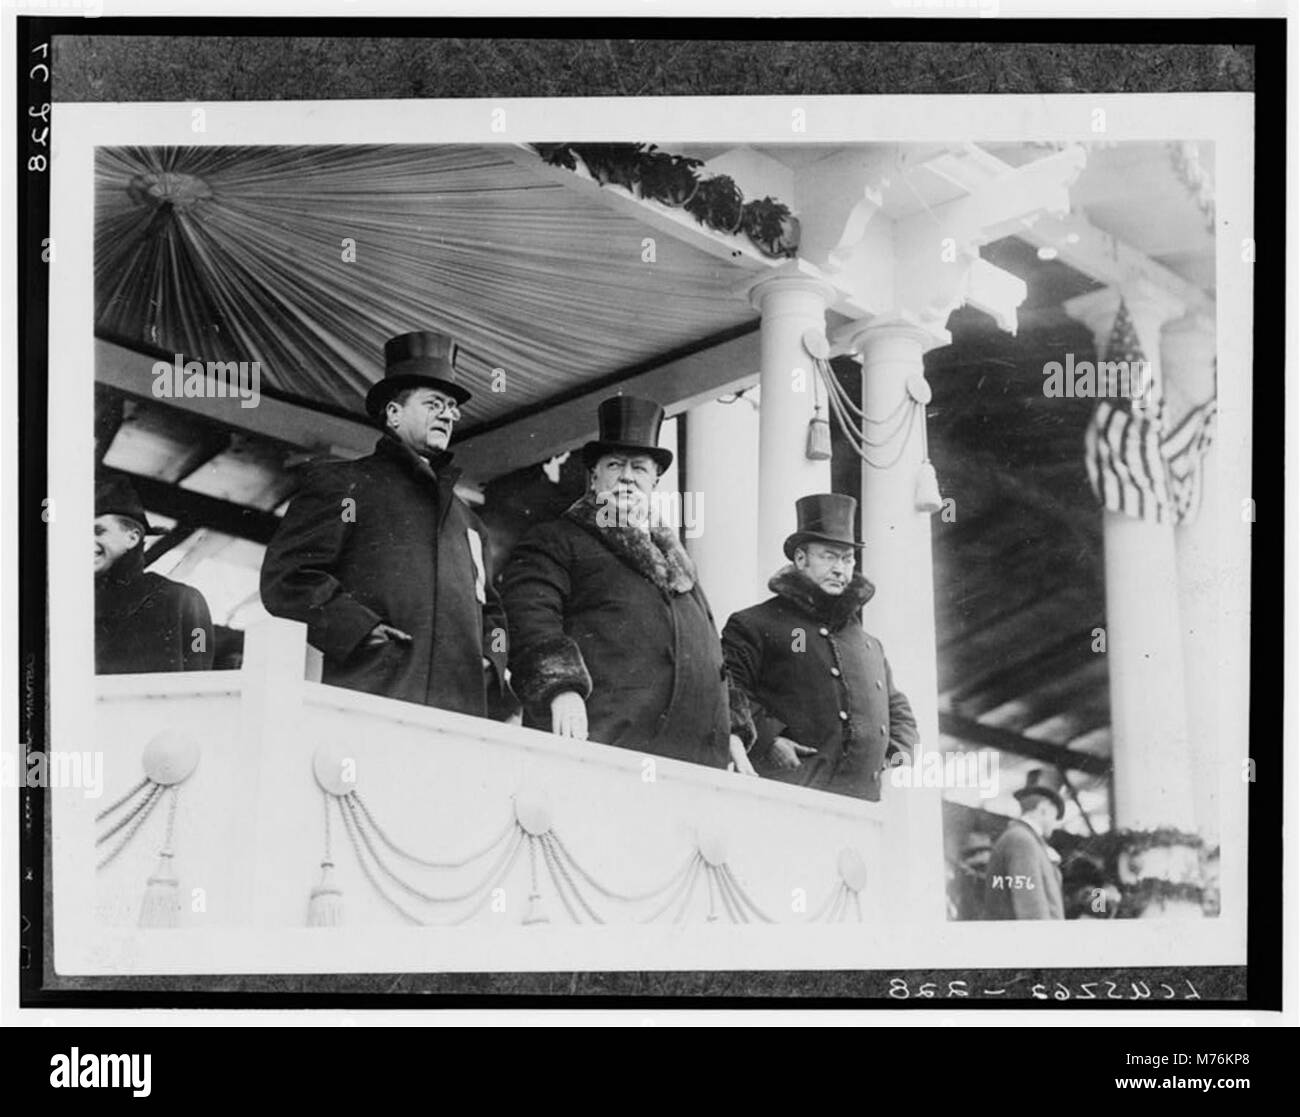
(569,715)
(786,754)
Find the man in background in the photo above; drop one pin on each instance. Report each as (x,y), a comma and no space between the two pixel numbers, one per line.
(143,622)
(1024,876)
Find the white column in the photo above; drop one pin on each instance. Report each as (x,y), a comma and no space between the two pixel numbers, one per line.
(1187,353)
(721,498)
(897,560)
(1150,746)
(790,305)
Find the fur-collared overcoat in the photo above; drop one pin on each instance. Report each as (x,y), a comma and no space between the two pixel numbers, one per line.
(801,667)
(385,539)
(618,616)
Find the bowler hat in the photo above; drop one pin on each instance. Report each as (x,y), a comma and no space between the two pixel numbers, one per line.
(823,518)
(422,359)
(1046,782)
(114,496)
(628,424)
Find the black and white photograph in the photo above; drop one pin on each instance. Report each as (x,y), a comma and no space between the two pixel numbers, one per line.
(808,538)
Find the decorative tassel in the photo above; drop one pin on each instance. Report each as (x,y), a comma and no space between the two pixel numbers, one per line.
(161,905)
(819,427)
(325,908)
(535,913)
(928,499)
(819,439)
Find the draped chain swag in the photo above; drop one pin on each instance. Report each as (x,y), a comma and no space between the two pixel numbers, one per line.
(237,253)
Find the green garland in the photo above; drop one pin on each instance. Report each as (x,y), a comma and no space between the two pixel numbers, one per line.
(716,202)
(1138,895)
(1115,842)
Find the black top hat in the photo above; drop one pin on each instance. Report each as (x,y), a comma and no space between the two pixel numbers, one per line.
(823,518)
(1046,782)
(422,359)
(114,496)
(628,423)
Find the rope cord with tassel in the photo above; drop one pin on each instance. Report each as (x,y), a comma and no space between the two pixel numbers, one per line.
(903,419)
(355,796)
(406,886)
(141,814)
(483,890)
(161,904)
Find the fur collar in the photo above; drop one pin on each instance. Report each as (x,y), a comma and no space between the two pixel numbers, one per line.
(827,609)
(657,556)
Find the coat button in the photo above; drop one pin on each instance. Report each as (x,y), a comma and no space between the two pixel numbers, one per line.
(824,631)
(880,685)
(835,671)
(884,731)
(844,715)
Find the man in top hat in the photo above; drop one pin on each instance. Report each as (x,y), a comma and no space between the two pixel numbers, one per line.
(1024,875)
(383,562)
(812,696)
(143,621)
(611,637)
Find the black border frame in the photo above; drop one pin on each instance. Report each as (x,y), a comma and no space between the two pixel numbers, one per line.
(1267,38)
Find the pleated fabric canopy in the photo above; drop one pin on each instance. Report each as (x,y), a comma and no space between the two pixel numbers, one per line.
(306,259)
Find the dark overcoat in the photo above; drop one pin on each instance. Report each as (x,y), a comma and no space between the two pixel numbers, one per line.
(801,667)
(1024,880)
(145,622)
(617,615)
(384,539)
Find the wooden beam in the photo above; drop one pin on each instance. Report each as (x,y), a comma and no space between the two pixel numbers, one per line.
(1005,681)
(132,373)
(1079,243)
(679,385)
(172,539)
(199,509)
(976,733)
(108,420)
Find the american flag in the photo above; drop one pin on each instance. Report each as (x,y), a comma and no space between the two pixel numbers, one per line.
(1133,466)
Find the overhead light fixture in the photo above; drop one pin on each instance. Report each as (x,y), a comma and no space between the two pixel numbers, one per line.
(1047,252)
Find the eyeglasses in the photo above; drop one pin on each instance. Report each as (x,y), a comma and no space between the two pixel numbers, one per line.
(437,408)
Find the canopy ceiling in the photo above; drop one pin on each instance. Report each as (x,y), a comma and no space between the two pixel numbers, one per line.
(238,254)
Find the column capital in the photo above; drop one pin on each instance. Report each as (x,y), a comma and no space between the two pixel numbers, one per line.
(859,335)
(1194,325)
(1149,305)
(795,277)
